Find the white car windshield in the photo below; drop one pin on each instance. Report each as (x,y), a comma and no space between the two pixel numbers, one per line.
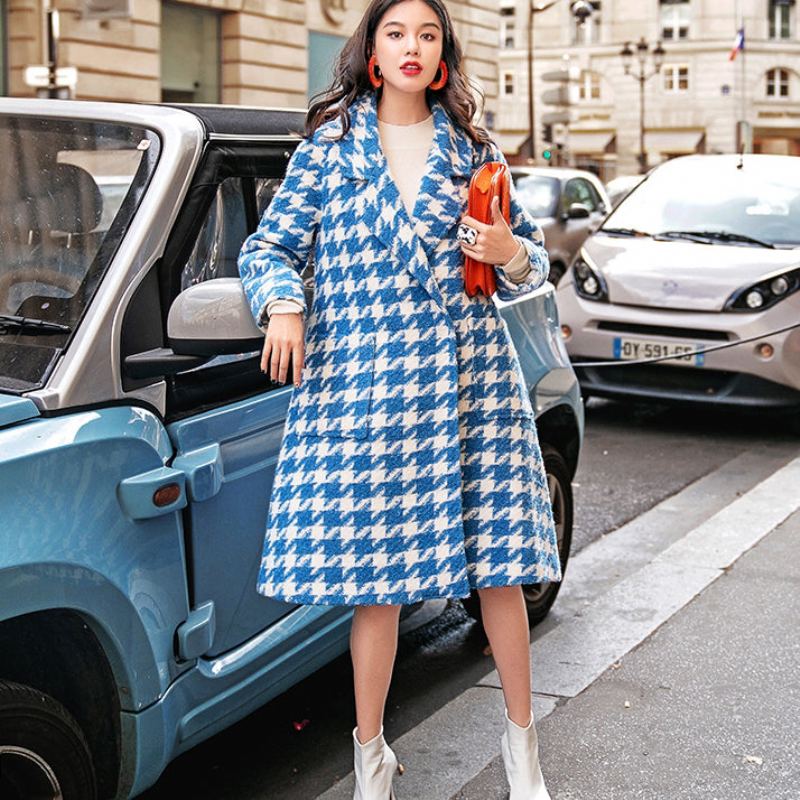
(713,198)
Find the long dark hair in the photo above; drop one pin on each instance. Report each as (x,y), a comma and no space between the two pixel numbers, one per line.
(351,76)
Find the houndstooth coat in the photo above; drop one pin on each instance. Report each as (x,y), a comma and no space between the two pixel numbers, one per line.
(409,466)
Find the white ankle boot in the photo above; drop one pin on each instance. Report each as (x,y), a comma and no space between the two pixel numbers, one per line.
(520,748)
(375,764)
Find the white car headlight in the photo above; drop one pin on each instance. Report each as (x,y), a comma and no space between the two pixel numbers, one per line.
(589,284)
(764,294)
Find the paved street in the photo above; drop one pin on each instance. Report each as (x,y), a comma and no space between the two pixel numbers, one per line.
(651,475)
(706,707)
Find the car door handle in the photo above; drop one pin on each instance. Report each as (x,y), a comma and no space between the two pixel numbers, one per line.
(203,471)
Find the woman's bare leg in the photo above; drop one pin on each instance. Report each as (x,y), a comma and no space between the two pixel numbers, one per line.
(505,620)
(373,646)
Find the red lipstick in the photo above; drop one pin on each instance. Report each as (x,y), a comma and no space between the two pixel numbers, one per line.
(411,68)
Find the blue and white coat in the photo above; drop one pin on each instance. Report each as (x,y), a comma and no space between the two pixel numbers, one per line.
(409,465)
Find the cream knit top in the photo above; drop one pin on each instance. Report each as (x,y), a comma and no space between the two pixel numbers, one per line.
(406,148)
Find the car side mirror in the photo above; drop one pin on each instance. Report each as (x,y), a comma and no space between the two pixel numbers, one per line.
(213,318)
(577,211)
(207,319)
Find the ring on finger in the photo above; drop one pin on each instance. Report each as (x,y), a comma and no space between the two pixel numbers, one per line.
(467,234)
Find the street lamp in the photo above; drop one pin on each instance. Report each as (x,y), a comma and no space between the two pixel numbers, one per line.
(581,10)
(642,75)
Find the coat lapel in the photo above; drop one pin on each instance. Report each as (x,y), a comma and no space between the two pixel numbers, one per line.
(441,199)
(443,194)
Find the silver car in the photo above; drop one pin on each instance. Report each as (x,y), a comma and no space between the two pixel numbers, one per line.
(704,252)
(568,204)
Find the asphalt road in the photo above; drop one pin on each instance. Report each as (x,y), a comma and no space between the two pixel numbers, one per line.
(299,744)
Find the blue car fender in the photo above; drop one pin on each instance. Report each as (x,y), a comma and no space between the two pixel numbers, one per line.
(84,528)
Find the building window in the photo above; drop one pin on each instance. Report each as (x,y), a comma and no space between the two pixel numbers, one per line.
(323,50)
(589,86)
(675,16)
(588,31)
(507,82)
(676,77)
(508,26)
(190,54)
(780,12)
(778,83)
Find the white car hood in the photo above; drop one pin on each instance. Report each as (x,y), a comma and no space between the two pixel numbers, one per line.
(679,274)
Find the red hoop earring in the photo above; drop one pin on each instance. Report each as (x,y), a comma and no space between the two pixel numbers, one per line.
(438,84)
(375,79)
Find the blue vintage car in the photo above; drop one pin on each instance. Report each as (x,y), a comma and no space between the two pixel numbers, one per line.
(138,439)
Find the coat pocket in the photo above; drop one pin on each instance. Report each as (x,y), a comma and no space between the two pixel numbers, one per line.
(499,388)
(335,389)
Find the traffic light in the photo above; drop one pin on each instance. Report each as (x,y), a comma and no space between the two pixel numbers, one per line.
(547,132)
(547,154)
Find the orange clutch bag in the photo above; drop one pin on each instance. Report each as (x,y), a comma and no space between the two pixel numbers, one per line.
(490,179)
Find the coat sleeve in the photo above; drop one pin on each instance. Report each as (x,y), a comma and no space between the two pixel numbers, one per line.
(525,230)
(273,257)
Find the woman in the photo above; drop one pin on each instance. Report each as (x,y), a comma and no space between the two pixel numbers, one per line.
(409,466)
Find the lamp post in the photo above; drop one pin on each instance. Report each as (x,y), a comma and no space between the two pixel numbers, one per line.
(642,75)
(581,10)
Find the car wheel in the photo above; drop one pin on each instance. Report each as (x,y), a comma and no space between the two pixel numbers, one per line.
(556,273)
(43,752)
(539,597)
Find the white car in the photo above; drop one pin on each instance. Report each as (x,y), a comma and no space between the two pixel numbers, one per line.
(704,252)
(619,188)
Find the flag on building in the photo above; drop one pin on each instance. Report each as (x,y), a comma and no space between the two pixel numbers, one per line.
(738,44)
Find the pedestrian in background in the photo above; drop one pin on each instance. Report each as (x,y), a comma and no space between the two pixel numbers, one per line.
(409,466)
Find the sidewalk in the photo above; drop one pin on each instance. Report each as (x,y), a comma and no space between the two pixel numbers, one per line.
(713,699)
(689,614)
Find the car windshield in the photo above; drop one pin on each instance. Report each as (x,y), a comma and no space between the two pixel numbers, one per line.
(539,194)
(713,200)
(68,191)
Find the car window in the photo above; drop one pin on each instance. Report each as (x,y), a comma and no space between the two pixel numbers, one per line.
(578,190)
(216,250)
(596,197)
(265,191)
(538,194)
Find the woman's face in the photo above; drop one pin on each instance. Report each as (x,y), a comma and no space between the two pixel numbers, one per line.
(408,45)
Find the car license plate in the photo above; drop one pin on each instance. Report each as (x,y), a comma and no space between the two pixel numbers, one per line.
(675,352)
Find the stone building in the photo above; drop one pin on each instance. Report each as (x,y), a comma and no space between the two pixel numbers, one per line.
(694,104)
(249,52)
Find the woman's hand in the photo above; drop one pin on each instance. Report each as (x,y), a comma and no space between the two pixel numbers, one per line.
(285,339)
(496,243)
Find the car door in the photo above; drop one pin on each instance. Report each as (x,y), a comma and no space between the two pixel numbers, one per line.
(579,190)
(226,419)
(601,206)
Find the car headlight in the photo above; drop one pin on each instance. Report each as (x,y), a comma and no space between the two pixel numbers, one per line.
(764,294)
(589,284)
